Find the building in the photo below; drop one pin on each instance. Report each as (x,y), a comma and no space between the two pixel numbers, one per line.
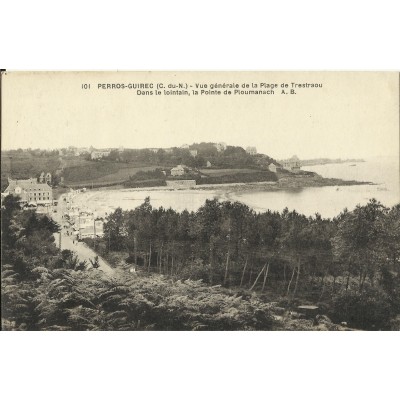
(221,146)
(45,178)
(292,164)
(48,178)
(89,226)
(181,184)
(193,153)
(96,155)
(208,164)
(185,146)
(272,167)
(82,150)
(30,191)
(251,150)
(178,170)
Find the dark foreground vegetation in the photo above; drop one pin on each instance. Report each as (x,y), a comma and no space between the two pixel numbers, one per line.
(224,267)
(45,289)
(349,266)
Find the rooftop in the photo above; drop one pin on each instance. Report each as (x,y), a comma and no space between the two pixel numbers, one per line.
(30,183)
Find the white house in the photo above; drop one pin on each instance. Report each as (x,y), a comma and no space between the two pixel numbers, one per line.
(96,155)
(178,170)
(48,178)
(221,146)
(251,150)
(272,167)
(292,164)
(30,191)
(82,150)
(45,178)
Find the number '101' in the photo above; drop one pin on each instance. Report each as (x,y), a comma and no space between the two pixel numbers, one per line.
(85,85)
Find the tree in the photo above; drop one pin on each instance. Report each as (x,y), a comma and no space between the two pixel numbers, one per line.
(115,229)
(207,229)
(8,210)
(358,238)
(390,237)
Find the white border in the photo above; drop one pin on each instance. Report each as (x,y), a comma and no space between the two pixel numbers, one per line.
(179,35)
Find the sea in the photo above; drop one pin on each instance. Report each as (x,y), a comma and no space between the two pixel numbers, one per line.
(327,201)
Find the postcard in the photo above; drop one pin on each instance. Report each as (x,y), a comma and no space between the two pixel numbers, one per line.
(211,201)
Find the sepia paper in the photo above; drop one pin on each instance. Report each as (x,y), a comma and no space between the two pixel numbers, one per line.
(319,144)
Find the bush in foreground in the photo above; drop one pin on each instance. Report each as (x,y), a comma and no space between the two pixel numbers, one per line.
(367,310)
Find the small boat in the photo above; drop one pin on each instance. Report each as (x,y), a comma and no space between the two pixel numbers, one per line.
(352,165)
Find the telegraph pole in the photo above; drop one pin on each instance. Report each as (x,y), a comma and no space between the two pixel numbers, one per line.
(94,233)
(11,166)
(79,225)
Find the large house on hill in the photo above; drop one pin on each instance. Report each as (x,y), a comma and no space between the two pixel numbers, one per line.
(98,154)
(30,191)
(220,146)
(292,164)
(251,150)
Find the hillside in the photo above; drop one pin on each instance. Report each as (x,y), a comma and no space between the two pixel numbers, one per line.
(101,172)
(215,165)
(22,165)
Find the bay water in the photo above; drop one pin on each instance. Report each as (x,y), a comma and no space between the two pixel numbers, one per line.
(328,201)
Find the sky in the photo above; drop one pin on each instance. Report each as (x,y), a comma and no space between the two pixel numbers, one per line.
(353,115)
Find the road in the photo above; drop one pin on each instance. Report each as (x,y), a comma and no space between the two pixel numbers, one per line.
(68,242)
(83,252)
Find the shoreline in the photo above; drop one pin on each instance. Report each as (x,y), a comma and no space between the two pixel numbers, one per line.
(290,190)
(283,183)
(227,191)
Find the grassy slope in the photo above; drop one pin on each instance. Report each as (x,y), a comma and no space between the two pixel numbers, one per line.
(80,172)
(113,172)
(98,172)
(25,166)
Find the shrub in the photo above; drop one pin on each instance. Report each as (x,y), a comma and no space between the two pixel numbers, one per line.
(368,310)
